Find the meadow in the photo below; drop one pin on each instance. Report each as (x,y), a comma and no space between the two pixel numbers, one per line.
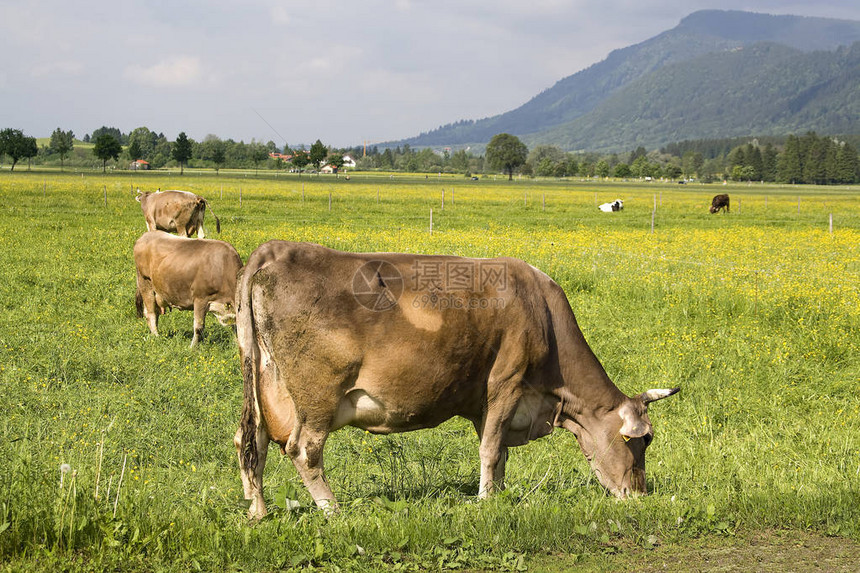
(117,450)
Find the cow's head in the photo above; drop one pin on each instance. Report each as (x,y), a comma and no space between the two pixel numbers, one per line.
(713,209)
(615,443)
(225,312)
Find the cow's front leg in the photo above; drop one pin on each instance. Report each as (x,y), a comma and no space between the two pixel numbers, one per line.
(492,472)
(493,459)
(503,397)
(305,448)
(201,307)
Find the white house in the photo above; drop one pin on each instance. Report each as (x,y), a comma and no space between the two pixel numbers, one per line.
(348,163)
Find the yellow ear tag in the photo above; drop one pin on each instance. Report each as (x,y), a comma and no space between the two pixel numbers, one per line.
(626,438)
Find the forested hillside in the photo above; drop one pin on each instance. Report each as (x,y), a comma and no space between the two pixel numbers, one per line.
(702,63)
(764,89)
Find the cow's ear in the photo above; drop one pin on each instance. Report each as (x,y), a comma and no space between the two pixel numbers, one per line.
(633,424)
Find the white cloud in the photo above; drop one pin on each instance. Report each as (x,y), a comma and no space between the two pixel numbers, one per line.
(177,71)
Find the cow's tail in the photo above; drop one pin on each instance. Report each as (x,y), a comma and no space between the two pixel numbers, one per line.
(217,220)
(249,353)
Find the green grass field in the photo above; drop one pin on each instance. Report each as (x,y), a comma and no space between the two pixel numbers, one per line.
(755,315)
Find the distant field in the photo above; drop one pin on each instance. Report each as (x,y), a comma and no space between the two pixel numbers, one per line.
(755,315)
(46,141)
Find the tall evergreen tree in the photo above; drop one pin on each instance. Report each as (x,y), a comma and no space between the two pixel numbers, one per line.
(815,162)
(790,164)
(755,162)
(62,142)
(182,150)
(769,162)
(830,161)
(847,164)
(737,158)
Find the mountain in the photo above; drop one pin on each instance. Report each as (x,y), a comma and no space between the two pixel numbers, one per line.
(788,74)
(766,89)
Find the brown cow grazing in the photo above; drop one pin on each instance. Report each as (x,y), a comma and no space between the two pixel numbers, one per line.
(179,212)
(188,274)
(393,342)
(719,202)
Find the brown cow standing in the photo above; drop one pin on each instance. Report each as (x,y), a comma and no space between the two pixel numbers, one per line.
(719,202)
(188,274)
(179,212)
(393,342)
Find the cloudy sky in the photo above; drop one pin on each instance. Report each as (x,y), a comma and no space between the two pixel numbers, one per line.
(294,71)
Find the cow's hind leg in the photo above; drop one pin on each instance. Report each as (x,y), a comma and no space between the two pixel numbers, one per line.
(305,448)
(201,307)
(145,300)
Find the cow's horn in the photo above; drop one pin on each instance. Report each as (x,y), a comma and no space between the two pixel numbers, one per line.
(653,395)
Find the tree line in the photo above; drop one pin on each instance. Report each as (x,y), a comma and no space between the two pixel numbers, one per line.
(808,158)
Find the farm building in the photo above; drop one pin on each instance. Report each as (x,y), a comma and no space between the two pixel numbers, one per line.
(348,163)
